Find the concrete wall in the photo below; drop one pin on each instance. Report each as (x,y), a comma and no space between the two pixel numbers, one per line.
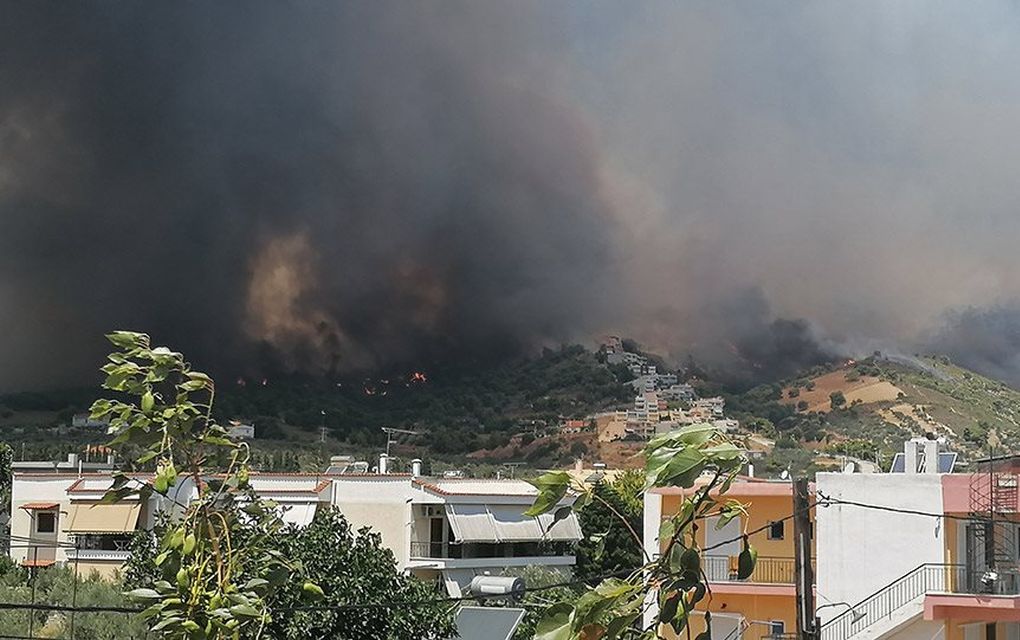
(382,503)
(38,489)
(861,550)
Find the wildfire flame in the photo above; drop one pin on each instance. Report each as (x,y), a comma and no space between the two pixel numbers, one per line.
(418,377)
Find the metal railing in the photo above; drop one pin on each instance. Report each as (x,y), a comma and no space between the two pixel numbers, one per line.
(927,578)
(435,550)
(767,570)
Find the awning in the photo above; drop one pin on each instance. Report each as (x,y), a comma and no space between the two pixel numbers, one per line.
(103,518)
(471,523)
(512,525)
(39,506)
(299,514)
(507,523)
(565,529)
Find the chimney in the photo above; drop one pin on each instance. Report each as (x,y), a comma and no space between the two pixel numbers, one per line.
(72,459)
(415,468)
(384,464)
(750,469)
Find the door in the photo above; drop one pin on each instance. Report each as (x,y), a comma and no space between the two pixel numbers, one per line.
(717,558)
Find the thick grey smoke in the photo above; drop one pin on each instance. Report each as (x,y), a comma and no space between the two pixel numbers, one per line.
(366,184)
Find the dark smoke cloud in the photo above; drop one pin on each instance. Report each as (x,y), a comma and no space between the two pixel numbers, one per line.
(369,184)
(349,184)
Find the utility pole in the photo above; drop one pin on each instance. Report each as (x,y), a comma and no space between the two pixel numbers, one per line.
(807,623)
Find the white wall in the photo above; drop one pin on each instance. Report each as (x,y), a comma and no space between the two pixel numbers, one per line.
(861,550)
(650,534)
(382,503)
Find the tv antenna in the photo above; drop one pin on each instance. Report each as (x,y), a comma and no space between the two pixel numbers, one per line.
(513,467)
(390,432)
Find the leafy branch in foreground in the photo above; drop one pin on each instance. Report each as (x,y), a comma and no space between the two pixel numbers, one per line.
(220,532)
(675,580)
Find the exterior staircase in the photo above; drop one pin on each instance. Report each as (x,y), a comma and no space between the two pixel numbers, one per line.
(895,605)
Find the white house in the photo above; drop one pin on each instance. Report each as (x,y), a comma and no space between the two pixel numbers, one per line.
(453,529)
(920,552)
(57,518)
(448,529)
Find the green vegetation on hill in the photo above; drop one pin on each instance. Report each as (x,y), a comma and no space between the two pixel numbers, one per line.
(932,395)
(456,411)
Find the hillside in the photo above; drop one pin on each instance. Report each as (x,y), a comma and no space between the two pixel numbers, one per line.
(512,413)
(880,401)
(456,412)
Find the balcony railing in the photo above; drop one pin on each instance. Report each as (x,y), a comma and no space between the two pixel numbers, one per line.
(458,550)
(767,570)
(435,550)
(925,579)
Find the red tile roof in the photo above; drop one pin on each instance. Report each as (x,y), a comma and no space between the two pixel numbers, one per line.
(40,506)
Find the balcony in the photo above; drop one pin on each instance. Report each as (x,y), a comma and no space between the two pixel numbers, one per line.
(476,550)
(767,570)
(97,555)
(940,590)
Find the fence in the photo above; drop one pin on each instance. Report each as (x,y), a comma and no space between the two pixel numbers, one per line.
(62,602)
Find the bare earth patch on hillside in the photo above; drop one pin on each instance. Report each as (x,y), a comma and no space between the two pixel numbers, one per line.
(867,389)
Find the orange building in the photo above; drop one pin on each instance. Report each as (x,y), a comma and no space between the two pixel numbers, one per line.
(763,605)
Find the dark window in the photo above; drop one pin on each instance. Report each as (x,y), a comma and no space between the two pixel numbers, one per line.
(45,522)
(990,631)
(778,627)
(777,530)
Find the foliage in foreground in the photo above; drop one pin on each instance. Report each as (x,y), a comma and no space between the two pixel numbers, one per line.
(352,567)
(217,564)
(675,579)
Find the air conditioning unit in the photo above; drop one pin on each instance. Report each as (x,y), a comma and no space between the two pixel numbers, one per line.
(434,511)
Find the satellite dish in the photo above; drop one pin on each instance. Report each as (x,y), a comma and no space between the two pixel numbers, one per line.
(850,467)
(785,475)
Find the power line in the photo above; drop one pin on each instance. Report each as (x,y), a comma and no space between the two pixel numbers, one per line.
(826,501)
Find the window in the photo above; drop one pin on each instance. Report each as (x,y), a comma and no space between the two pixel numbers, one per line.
(777,530)
(45,522)
(777,627)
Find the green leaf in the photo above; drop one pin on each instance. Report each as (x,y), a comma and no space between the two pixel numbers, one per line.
(128,339)
(619,625)
(683,469)
(148,401)
(166,622)
(670,606)
(666,529)
(189,544)
(552,487)
(555,622)
(245,610)
(143,594)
